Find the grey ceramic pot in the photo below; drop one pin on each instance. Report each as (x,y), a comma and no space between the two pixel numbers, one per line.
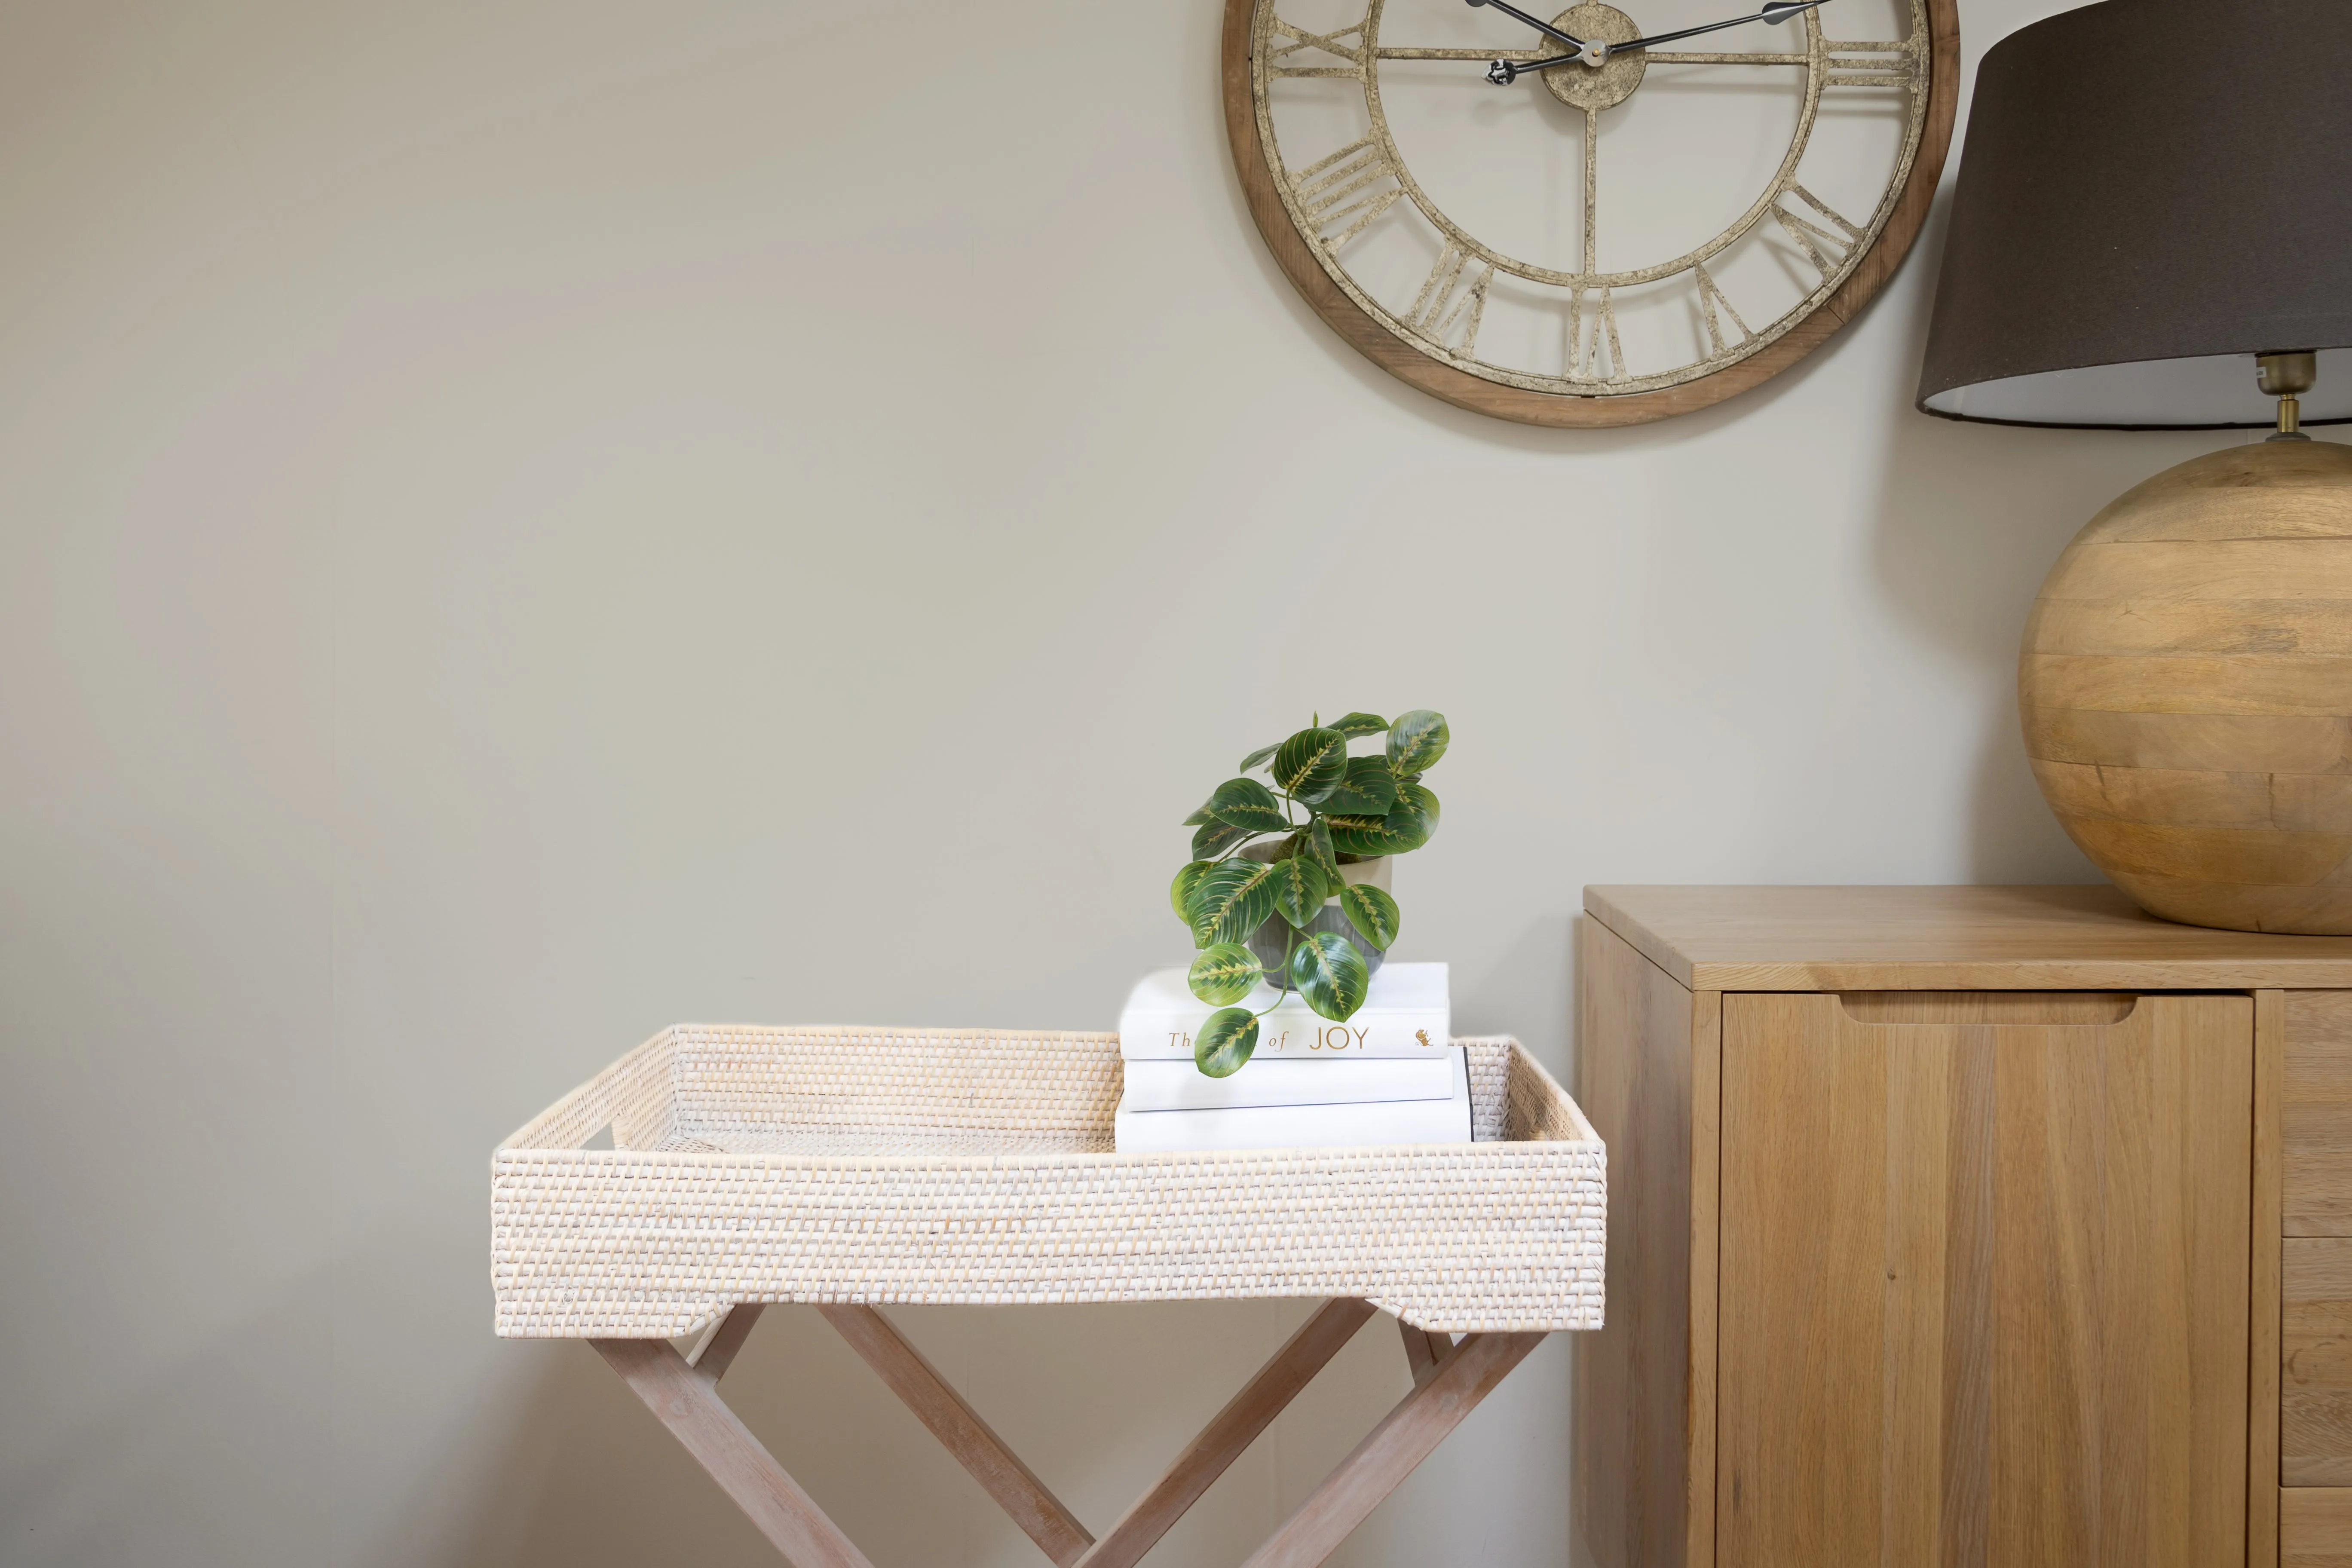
(1269,940)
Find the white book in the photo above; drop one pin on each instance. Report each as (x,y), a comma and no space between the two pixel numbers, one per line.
(1180,1086)
(1407,1012)
(1382,1122)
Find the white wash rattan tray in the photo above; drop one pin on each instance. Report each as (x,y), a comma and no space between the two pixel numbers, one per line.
(875,1166)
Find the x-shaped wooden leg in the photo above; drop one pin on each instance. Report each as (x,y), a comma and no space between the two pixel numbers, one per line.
(1449,1377)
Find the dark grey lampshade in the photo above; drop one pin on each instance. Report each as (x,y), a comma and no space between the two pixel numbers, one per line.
(2151,192)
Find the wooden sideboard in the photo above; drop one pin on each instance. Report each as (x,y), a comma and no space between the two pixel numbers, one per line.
(2005,1227)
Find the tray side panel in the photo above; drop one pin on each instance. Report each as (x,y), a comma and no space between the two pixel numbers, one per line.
(1470,1237)
(824,1089)
(635,1096)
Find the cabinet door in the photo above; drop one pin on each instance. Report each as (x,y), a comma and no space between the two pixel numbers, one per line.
(1984,1281)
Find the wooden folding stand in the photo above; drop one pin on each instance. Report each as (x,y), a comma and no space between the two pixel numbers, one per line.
(1450,1377)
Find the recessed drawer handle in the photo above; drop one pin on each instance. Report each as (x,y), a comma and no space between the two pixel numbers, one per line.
(2036,1009)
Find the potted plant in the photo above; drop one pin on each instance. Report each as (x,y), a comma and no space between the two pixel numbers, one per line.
(1276,871)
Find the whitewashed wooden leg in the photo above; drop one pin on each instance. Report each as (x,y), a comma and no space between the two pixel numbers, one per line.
(715,1352)
(687,1402)
(1423,1350)
(962,1433)
(1404,1437)
(1235,1428)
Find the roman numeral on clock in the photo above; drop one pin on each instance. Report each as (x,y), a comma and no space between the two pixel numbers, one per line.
(1320,51)
(1585,345)
(1827,249)
(1712,301)
(1341,194)
(1899,65)
(1454,293)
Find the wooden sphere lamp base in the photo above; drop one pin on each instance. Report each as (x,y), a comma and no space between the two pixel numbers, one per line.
(2186,684)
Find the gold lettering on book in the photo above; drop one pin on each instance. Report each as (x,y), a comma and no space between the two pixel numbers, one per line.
(1422,1035)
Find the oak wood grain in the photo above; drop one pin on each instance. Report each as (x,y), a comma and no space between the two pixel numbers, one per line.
(1985,1288)
(2315,1362)
(1640,1413)
(2316,1526)
(2315,1114)
(1702,1348)
(1293,253)
(688,1403)
(961,1431)
(2265,1283)
(2089,937)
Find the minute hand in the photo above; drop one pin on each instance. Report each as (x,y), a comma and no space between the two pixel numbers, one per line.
(1570,39)
(1776,13)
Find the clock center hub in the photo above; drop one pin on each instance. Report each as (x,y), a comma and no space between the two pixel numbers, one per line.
(1581,86)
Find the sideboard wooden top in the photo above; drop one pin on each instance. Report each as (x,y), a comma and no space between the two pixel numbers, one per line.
(1949,939)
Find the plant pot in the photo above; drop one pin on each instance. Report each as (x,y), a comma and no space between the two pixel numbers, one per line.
(1270,941)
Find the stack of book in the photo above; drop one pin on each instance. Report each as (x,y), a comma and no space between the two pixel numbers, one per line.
(1390,1074)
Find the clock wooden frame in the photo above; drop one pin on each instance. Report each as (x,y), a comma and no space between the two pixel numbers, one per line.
(1376,342)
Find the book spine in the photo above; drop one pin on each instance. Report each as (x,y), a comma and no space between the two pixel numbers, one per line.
(1287,1034)
(1296,1126)
(1177,1085)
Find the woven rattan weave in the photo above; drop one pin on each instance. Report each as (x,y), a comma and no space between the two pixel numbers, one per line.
(874,1166)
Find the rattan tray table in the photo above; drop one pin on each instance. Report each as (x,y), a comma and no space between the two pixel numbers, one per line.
(717,1170)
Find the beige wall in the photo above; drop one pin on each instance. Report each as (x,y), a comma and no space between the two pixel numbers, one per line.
(523,524)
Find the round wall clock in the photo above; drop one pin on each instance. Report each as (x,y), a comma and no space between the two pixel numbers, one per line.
(1589,217)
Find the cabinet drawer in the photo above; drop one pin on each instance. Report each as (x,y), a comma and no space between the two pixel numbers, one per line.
(2316,1134)
(2315,1362)
(2315,1527)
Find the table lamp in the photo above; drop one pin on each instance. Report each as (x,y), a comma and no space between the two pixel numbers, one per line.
(2153,230)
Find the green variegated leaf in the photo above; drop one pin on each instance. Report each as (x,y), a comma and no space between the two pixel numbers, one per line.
(1213,840)
(1307,765)
(1180,890)
(1224,973)
(1329,973)
(1299,889)
(1406,827)
(1360,835)
(1316,844)
(1198,818)
(1373,913)
(1368,790)
(1245,802)
(1225,1042)
(1234,900)
(1355,726)
(1398,833)
(1421,799)
(1254,758)
(1417,741)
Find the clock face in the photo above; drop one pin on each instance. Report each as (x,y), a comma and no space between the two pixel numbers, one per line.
(1547,225)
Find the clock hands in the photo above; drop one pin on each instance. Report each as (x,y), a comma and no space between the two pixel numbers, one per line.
(1513,12)
(1773,14)
(1502,73)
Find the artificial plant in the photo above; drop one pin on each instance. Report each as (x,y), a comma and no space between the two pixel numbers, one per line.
(1329,808)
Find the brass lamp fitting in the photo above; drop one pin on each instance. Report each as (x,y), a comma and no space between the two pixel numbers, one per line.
(2285,377)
